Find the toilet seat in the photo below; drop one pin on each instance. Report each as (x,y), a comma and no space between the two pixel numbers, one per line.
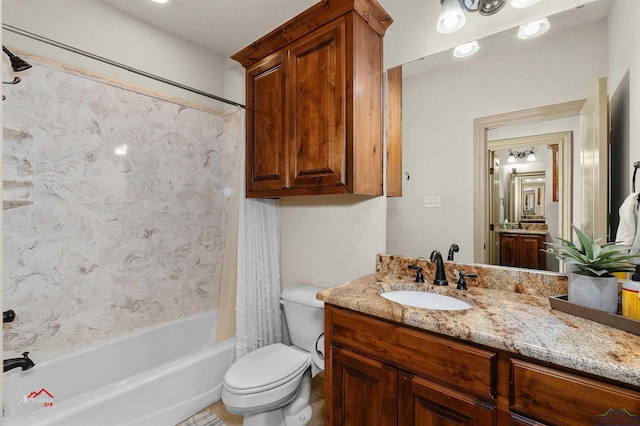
(266,368)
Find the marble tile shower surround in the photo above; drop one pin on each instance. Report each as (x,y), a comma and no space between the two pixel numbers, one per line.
(535,283)
(126,229)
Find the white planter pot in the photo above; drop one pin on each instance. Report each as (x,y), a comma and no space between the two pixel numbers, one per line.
(594,292)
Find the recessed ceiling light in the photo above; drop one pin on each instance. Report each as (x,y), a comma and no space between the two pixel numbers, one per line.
(162,1)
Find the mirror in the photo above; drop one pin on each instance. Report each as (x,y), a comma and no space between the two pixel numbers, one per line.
(443,99)
(528,196)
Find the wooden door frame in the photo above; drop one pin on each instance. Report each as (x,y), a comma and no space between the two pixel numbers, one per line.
(480,157)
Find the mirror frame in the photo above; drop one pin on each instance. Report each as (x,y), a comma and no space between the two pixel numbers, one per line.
(480,170)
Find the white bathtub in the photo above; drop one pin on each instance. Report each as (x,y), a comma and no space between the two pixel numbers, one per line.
(156,376)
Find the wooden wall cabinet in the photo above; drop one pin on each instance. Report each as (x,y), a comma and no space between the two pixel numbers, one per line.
(523,251)
(314,102)
(380,373)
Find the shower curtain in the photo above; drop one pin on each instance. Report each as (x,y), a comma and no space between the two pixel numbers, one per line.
(258,318)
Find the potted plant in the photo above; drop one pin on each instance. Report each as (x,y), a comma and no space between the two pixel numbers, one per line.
(592,264)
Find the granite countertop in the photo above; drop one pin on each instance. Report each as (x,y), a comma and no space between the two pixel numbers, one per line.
(523,231)
(522,324)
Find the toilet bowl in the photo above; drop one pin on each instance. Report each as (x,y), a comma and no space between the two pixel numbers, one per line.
(271,386)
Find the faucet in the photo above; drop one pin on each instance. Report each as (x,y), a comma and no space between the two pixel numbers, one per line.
(441,278)
(419,276)
(462,284)
(24,362)
(453,249)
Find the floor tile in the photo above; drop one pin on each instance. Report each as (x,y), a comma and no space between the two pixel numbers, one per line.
(316,400)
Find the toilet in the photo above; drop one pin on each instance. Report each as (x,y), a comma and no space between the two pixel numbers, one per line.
(271,386)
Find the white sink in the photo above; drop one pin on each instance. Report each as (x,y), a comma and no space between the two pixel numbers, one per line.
(422,299)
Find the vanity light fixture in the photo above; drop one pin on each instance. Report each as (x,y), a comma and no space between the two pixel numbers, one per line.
(466,49)
(533,29)
(528,154)
(452,16)
(162,1)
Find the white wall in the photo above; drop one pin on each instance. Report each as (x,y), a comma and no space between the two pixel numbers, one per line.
(624,54)
(438,112)
(328,240)
(100,29)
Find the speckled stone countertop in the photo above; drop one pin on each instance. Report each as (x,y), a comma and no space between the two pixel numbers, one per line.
(523,231)
(513,319)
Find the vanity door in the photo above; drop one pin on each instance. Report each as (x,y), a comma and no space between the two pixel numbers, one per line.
(424,403)
(363,391)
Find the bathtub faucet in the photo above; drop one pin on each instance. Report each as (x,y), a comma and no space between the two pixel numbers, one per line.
(24,362)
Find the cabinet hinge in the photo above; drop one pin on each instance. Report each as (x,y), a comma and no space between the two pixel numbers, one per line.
(490,170)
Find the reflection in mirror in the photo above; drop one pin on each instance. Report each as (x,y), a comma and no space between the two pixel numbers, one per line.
(529,197)
(441,103)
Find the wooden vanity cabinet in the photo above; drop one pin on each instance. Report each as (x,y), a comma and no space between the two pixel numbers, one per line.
(314,102)
(378,372)
(523,251)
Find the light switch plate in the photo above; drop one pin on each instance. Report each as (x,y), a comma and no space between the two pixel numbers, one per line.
(431,201)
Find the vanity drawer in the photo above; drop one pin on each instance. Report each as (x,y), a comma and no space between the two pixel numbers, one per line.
(563,398)
(441,360)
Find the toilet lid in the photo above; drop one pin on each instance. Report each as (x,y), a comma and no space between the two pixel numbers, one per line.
(266,368)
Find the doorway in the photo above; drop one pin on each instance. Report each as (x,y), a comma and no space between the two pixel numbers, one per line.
(481,225)
(533,192)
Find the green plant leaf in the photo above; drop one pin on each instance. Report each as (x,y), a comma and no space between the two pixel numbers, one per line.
(585,242)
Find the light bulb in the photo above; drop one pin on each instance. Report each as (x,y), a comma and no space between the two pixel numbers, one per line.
(533,29)
(466,49)
(520,4)
(451,17)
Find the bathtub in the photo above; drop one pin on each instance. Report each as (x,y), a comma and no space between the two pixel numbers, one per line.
(159,375)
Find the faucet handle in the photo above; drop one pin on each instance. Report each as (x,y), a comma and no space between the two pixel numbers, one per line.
(462,284)
(419,276)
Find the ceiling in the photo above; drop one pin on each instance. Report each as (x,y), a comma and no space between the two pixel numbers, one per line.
(226,26)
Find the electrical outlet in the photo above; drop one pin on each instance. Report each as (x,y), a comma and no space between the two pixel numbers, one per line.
(431,201)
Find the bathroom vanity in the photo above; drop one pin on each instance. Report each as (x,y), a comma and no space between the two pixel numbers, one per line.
(523,248)
(508,360)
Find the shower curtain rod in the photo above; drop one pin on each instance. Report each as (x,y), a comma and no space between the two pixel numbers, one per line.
(115,64)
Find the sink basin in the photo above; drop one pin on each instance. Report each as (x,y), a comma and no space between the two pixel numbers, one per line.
(421,299)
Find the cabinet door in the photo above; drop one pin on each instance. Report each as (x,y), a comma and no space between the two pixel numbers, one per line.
(529,252)
(564,399)
(508,250)
(318,101)
(423,403)
(267,152)
(363,391)
(516,420)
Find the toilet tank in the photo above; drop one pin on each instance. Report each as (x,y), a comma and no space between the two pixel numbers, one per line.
(304,314)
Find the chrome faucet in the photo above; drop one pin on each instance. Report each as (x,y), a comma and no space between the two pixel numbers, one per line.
(441,278)
(24,362)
